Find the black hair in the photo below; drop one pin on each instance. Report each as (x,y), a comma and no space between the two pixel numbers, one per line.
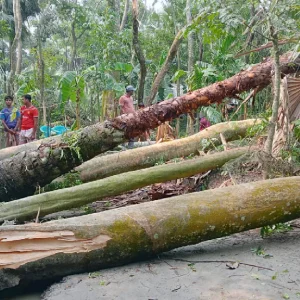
(9,97)
(27,96)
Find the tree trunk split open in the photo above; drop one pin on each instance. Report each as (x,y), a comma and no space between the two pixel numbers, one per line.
(58,248)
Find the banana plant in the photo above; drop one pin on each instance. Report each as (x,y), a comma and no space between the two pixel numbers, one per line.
(71,87)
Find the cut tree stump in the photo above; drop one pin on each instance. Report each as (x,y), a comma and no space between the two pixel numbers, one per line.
(58,248)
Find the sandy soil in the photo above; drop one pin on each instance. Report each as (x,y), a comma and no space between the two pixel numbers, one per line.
(168,278)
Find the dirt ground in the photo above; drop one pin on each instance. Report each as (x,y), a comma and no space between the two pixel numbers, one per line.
(200,273)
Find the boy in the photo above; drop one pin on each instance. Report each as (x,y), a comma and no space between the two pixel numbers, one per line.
(10,118)
(29,121)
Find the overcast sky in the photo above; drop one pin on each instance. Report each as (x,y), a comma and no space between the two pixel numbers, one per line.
(157,6)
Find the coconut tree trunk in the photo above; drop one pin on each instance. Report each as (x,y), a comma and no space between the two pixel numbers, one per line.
(58,248)
(138,51)
(26,209)
(108,165)
(191,58)
(26,171)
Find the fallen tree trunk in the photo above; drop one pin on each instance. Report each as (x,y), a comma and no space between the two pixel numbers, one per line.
(58,248)
(23,173)
(27,208)
(104,166)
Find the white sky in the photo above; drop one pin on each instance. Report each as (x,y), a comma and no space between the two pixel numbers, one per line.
(158,4)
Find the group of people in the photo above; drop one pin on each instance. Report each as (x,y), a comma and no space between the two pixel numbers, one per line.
(20,126)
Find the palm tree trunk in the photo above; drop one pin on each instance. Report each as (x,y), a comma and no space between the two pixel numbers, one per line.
(139,52)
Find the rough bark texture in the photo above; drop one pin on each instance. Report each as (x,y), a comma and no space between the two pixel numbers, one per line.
(151,117)
(58,248)
(20,175)
(108,165)
(138,51)
(26,209)
(275,104)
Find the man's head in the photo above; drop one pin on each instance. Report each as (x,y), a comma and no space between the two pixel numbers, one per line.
(141,105)
(130,89)
(26,99)
(8,101)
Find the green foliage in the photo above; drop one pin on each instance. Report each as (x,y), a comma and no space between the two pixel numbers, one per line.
(272,229)
(69,180)
(212,113)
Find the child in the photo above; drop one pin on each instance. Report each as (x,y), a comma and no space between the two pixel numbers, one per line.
(10,117)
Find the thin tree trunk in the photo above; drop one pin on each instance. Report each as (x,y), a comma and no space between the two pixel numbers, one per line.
(190,117)
(125,14)
(166,66)
(139,52)
(54,249)
(275,104)
(26,209)
(78,121)
(15,60)
(23,173)
(108,165)
(73,47)
(41,71)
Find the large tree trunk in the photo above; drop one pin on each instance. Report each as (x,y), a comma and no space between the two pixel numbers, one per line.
(20,175)
(58,248)
(108,165)
(27,208)
(139,52)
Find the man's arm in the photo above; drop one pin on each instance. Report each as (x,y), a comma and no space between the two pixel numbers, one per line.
(19,116)
(5,125)
(35,124)
(121,104)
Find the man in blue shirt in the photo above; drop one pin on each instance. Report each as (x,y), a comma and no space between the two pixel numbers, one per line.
(10,118)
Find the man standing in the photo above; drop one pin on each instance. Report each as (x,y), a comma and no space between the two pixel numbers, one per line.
(10,117)
(126,101)
(29,121)
(126,106)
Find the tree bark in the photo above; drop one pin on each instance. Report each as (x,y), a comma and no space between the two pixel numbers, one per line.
(58,248)
(138,51)
(15,60)
(275,104)
(23,173)
(190,117)
(41,72)
(26,209)
(108,165)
